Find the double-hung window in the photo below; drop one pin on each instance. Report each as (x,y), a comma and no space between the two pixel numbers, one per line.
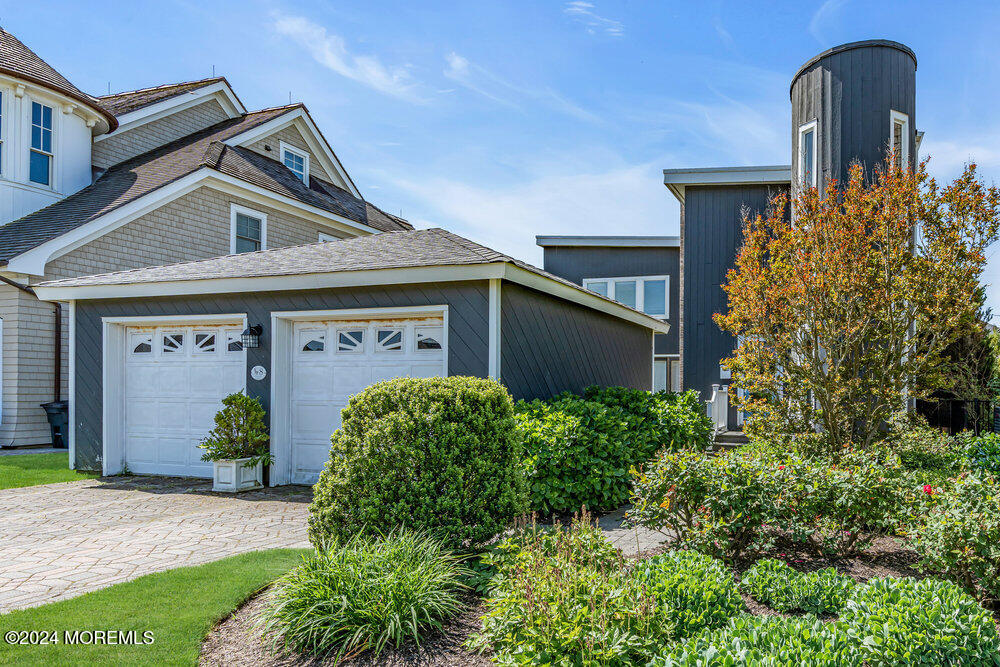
(40,157)
(1,132)
(645,293)
(248,230)
(296,160)
(899,139)
(808,154)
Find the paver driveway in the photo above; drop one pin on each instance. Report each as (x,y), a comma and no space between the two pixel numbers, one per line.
(60,540)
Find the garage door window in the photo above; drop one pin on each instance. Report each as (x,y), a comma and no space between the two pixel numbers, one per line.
(173,343)
(351,341)
(389,340)
(312,341)
(233,341)
(204,343)
(429,338)
(141,343)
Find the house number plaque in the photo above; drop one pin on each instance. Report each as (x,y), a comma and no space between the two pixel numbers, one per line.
(258,372)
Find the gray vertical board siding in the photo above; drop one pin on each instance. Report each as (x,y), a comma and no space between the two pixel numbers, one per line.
(468,337)
(712,236)
(548,346)
(850,93)
(574,263)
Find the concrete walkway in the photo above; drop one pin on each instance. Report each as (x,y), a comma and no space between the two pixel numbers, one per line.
(61,540)
(16,451)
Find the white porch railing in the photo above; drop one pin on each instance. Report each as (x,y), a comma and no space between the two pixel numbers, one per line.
(717,407)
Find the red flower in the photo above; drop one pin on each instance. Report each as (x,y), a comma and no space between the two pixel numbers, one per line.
(928,489)
(781,467)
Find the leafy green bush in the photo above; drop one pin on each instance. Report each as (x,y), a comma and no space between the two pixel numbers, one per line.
(959,535)
(766,641)
(440,454)
(579,449)
(920,447)
(716,504)
(929,622)
(561,597)
(240,432)
(364,594)
(775,584)
(694,590)
(982,451)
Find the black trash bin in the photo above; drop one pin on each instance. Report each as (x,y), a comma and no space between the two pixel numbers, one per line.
(58,414)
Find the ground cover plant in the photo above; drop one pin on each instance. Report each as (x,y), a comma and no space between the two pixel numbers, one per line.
(363,595)
(579,449)
(440,455)
(774,583)
(19,470)
(177,606)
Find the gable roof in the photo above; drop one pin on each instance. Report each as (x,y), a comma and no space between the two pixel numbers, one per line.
(19,61)
(133,100)
(142,175)
(413,249)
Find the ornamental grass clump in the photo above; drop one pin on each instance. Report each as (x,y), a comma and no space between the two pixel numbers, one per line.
(928,622)
(694,590)
(774,583)
(564,596)
(365,594)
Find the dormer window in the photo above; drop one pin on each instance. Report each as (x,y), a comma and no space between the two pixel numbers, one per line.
(296,160)
(899,139)
(40,158)
(807,154)
(248,230)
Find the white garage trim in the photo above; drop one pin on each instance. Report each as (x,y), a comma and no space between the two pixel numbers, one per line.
(282,363)
(71,426)
(494,326)
(113,436)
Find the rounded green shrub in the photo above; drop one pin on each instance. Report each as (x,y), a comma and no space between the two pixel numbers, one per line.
(982,451)
(363,594)
(774,583)
(928,622)
(693,590)
(920,447)
(766,641)
(579,449)
(440,455)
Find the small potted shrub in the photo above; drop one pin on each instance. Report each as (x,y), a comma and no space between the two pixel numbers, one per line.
(238,446)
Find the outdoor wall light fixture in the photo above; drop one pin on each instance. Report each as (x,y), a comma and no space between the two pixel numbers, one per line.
(251,336)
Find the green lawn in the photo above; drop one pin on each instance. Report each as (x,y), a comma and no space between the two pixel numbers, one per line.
(178,606)
(33,469)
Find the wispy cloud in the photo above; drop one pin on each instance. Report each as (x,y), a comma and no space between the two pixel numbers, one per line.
(331,51)
(821,19)
(484,82)
(584,12)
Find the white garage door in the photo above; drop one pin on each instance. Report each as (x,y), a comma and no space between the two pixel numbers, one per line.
(175,380)
(333,360)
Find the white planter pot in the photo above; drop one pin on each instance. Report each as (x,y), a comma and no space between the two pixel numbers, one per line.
(232,475)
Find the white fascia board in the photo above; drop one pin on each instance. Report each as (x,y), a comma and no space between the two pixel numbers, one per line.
(313,137)
(581,296)
(677,180)
(32,262)
(307,281)
(609,241)
(223,93)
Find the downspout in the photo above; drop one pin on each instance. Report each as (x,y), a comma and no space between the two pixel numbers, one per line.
(57,367)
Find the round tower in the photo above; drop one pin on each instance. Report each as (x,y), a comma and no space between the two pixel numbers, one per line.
(853,103)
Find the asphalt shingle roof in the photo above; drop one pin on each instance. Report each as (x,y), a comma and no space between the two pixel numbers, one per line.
(19,61)
(132,100)
(146,173)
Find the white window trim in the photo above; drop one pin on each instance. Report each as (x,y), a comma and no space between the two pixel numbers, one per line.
(900,117)
(812,126)
(236,208)
(282,147)
(326,238)
(640,293)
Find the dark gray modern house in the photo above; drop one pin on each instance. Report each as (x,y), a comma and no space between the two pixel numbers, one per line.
(848,104)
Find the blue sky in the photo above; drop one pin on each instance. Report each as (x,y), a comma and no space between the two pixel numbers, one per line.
(504,120)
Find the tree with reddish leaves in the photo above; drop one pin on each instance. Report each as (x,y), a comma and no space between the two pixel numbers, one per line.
(845,309)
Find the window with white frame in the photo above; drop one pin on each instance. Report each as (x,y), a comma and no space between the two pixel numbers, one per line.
(645,293)
(40,156)
(899,139)
(2,128)
(248,230)
(296,160)
(666,373)
(808,147)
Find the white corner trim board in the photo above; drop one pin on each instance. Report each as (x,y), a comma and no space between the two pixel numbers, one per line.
(494,329)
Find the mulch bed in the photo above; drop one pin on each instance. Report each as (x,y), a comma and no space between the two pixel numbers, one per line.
(234,641)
